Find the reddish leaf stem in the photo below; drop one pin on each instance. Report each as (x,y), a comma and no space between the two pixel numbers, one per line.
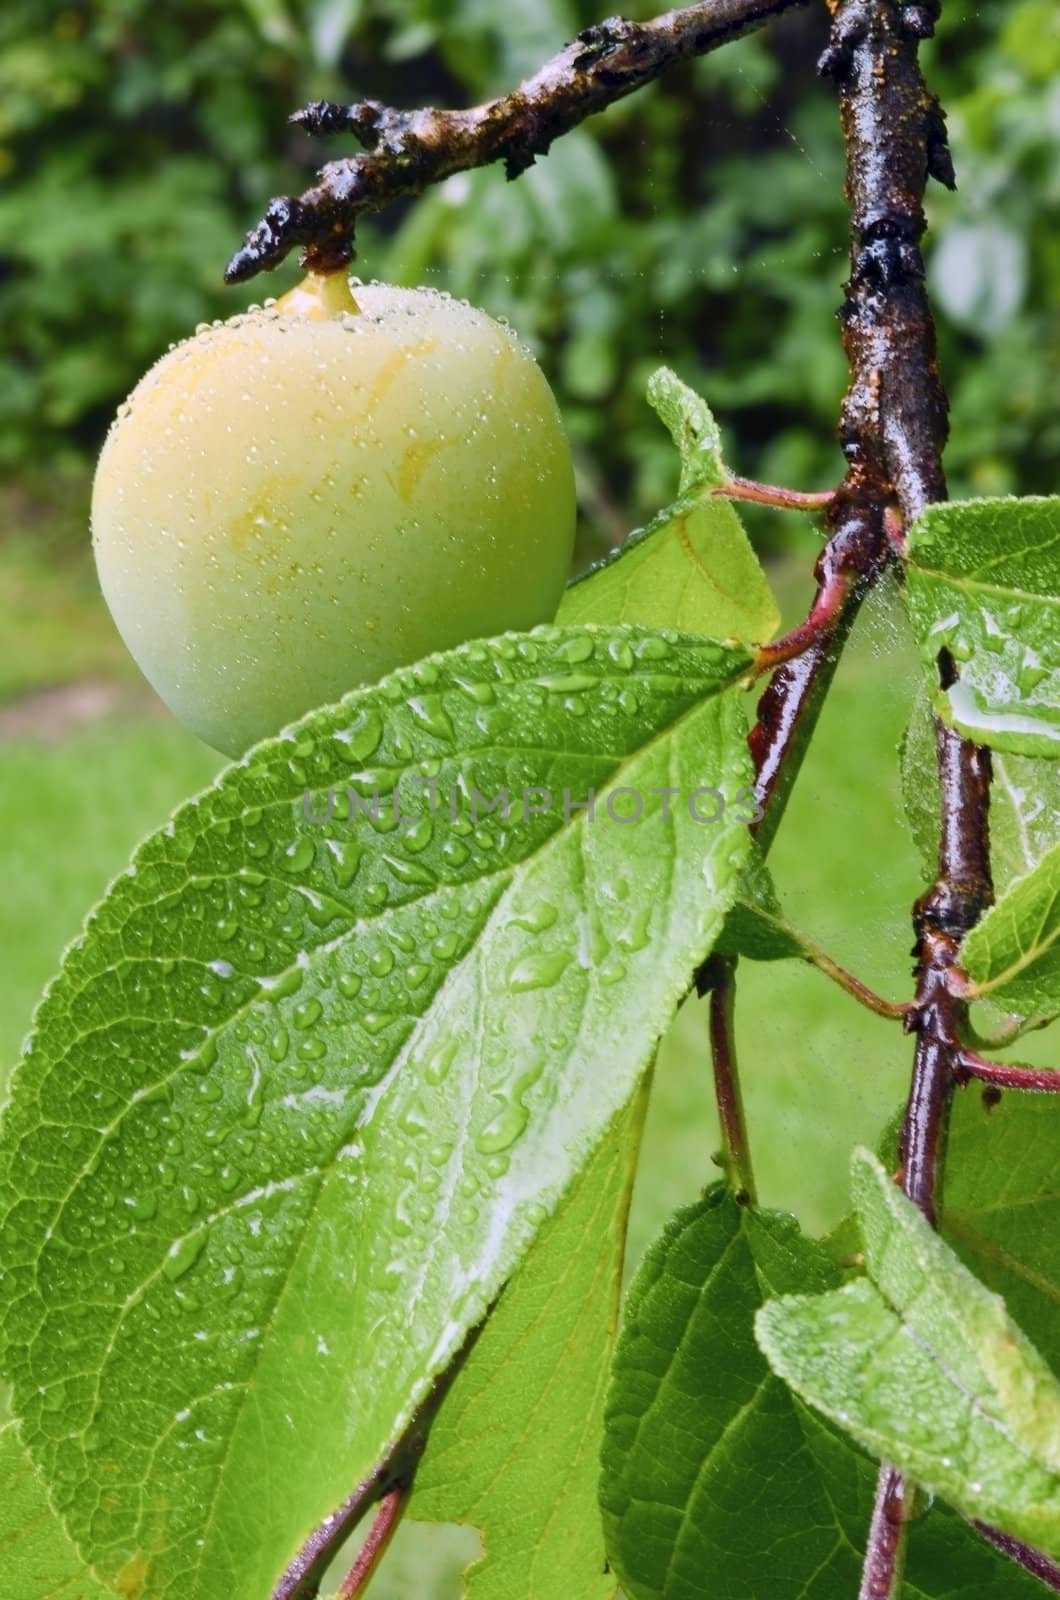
(886,1538)
(790,705)
(896,1010)
(770,494)
(717,978)
(1025,1555)
(387,1518)
(972,1065)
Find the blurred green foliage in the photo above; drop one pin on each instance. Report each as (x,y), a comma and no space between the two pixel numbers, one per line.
(700,223)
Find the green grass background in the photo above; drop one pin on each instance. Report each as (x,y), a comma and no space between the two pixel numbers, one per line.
(819,1072)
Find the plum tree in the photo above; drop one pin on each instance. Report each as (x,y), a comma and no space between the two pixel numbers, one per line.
(295,501)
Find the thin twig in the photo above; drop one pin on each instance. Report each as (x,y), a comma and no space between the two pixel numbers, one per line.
(408,150)
(972,1065)
(717,978)
(387,1518)
(893,428)
(896,1010)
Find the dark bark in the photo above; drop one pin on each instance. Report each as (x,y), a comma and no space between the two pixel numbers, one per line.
(408,150)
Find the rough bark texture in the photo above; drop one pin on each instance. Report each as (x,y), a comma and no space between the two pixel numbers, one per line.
(408,150)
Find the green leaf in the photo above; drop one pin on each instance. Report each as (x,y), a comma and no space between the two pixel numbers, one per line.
(1024,814)
(515,1449)
(983,582)
(1024,800)
(691,568)
(304,1092)
(710,1477)
(39,1561)
(692,428)
(1013,955)
(923,1366)
(717,1480)
(1002,1205)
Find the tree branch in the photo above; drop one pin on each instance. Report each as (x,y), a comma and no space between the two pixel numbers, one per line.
(893,429)
(408,150)
(790,705)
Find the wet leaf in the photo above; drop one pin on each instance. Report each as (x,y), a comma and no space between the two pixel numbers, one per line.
(305,1090)
(1024,800)
(692,428)
(516,1447)
(924,1367)
(40,1563)
(1002,1205)
(983,582)
(717,1480)
(693,566)
(1013,955)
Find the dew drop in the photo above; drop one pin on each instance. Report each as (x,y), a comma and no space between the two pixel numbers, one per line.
(569,683)
(409,872)
(346,858)
(455,852)
(287,984)
(298,857)
(183,1255)
(482,694)
(308,1013)
(652,649)
(539,970)
(418,837)
(429,713)
(363,736)
(438,1067)
(501,1132)
(580,648)
(373,1022)
(536,918)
